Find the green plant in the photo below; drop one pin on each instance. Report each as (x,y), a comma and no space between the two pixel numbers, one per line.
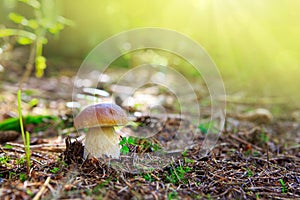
(143,145)
(148,177)
(187,160)
(185,153)
(283,187)
(26,138)
(124,144)
(256,154)
(4,160)
(22,177)
(248,152)
(14,123)
(20,161)
(99,190)
(205,127)
(148,145)
(10,174)
(34,31)
(172,195)
(33,102)
(264,137)
(177,174)
(30,193)
(61,162)
(257,196)
(54,170)
(249,172)
(7,146)
(208,196)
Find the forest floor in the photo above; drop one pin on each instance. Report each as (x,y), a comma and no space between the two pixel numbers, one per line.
(252,159)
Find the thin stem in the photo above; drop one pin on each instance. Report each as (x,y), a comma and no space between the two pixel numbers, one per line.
(20,117)
(26,139)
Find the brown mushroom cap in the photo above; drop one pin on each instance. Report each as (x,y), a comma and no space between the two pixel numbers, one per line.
(103,114)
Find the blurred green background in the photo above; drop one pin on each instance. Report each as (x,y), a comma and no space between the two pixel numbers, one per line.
(254,43)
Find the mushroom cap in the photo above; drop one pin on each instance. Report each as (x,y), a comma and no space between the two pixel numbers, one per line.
(103,115)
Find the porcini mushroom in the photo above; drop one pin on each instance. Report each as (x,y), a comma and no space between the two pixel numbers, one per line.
(100,120)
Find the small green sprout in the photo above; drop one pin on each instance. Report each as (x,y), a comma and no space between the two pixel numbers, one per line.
(205,127)
(264,137)
(257,196)
(20,161)
(4,160)
(25,137)
(33,102)
(187,160)
(283,187)
(22,177)
(184,153)
(124,144)
(148,177)
(142,143)
(177,174)
(173,195)
(54,170)
(7,146)
(11,174)
(249,172)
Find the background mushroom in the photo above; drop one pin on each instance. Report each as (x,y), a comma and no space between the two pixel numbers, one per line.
(100,120)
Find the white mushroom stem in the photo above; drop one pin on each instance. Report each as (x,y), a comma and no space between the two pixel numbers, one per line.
(101,141)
